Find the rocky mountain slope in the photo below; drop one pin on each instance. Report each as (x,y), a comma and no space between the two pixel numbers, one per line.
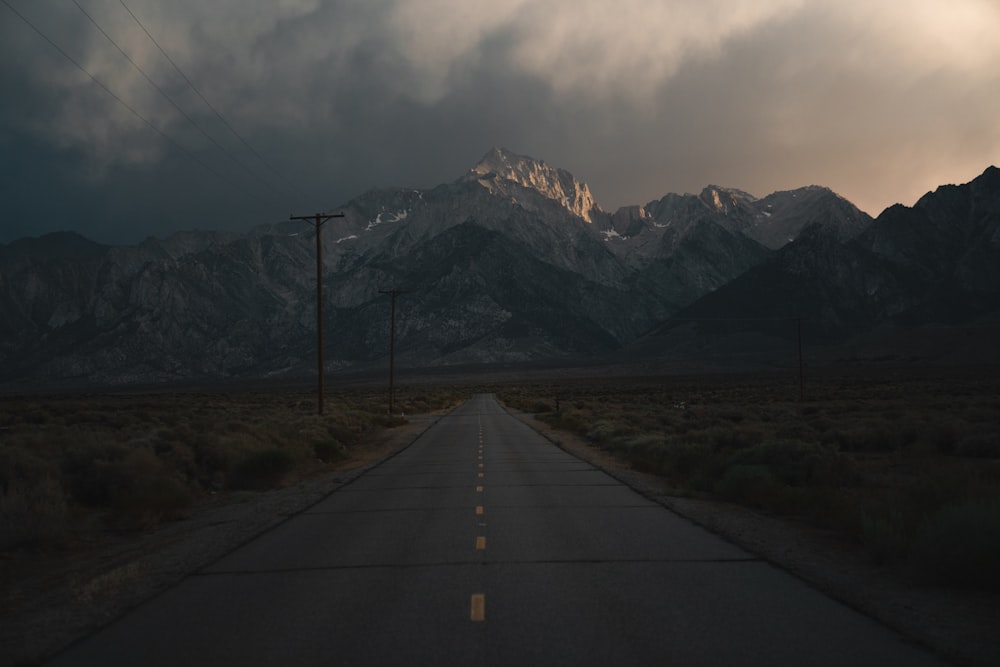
(512,262)
(917,277)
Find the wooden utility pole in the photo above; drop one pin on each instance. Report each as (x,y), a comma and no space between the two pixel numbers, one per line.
(392,345)
(802,376)
(318,219)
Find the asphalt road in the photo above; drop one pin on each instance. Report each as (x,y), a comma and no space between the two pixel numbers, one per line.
(484,544)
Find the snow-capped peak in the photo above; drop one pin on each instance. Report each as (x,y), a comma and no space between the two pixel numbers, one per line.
(500,168)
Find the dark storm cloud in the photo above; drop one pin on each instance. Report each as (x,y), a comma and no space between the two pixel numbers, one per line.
(638,98)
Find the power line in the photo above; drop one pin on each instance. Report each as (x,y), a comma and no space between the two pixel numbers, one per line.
(122,102)
(225,122)
(785,318)
(170,99)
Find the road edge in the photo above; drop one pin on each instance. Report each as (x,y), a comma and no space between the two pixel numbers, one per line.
(173,553)
(957,626)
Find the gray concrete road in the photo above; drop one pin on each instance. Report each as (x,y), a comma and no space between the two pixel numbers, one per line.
(484,544)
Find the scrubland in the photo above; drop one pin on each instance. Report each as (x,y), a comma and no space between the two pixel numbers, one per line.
(907,466)
(74,467)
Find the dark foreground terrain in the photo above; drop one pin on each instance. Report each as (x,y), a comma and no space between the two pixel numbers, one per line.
(896,470)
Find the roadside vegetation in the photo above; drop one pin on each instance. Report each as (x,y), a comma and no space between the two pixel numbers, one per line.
(907,467)
(72,467)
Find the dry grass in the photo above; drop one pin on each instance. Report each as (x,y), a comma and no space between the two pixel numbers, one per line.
(908,466)
(73,464)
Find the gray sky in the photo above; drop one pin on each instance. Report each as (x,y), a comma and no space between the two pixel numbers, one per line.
(880,100)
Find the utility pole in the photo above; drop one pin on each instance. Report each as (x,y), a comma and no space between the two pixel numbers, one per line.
(392,345)
(802,381)
(318,219)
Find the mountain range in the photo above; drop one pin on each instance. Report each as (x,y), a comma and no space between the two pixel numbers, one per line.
(513,262)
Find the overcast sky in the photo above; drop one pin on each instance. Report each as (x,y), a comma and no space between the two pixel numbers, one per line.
(880,100)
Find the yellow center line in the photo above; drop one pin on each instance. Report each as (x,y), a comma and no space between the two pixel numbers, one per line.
(480,509)
(480,465)
(481,543)
(479,489)
(478,608)
(482,474)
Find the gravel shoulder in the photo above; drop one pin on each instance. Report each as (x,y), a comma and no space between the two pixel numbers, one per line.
(52,601)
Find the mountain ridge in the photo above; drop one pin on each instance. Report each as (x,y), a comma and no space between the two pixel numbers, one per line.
(936,264)
(514,262)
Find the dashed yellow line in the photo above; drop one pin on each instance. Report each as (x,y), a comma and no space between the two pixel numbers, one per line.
(477,612)
(477,605)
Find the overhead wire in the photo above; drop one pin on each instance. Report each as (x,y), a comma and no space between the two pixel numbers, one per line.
(218,114)
(167,97)
(776,318)
(170,140)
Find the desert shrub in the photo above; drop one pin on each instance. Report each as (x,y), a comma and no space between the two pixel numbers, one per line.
(871,437)
(941,434)
(688,461)
(573,421)
(748,483)
(959,545)
(837,509)
(540,406)
(328,449)
(260,470)
(798,463)
(95,482)
(211,457)
(236,426)
(982,445)
(604,432)
(21,464)
(148,501)
(32,501)
(980,414)
(885,536)
(929,492)
(734,438)
(342,431)
(646,453)
(142,464)
(819,423)
(181,458)
(32,513)
(734,414)
(390,421)
(143,491)
(794,430)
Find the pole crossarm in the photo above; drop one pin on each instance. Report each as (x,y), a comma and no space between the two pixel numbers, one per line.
(318,219)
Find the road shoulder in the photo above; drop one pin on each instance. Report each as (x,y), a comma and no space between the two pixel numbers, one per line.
(960,625)
(58,599)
